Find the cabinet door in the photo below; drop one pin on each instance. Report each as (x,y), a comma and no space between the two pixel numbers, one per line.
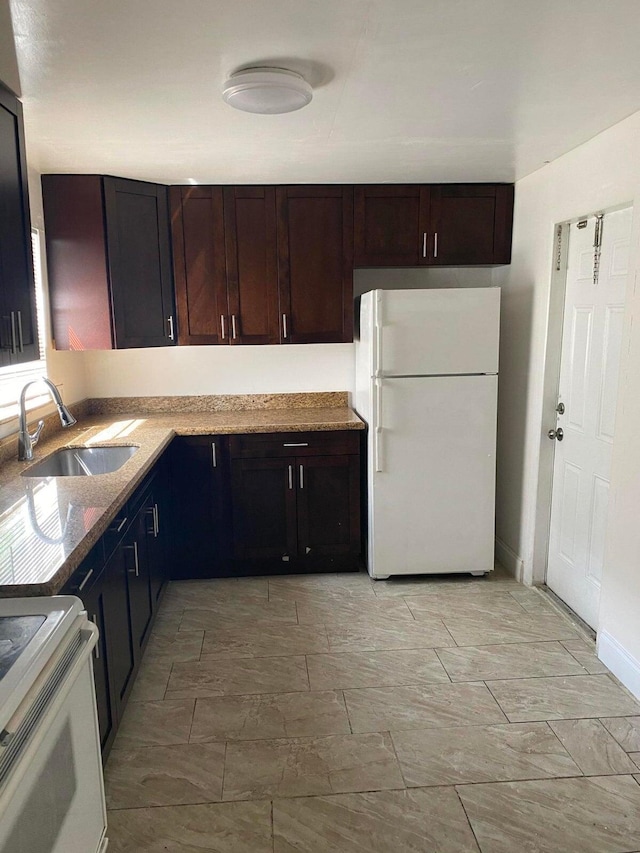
(470,224)
(137,565)
(315,263)
(139,263)
(252,264)
(158,532)
(94,603)
(328,505)
(263,496)
(116,614)
(390,225)
(200,507)
(18,330)
(199,264)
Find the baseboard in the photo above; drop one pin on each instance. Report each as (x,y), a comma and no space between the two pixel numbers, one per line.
(509,559)
(623,665)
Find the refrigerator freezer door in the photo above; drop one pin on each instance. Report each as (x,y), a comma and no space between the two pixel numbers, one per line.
(437,332)
(431,503)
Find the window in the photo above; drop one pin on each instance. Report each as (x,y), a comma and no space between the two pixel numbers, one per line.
(13,379)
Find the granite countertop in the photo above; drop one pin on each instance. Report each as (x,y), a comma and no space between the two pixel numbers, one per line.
(49,525)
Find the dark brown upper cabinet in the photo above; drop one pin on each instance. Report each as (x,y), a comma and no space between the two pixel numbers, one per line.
(439,225)
(225,261)
(315,263)
(109,262)
(18,328)
(197,227)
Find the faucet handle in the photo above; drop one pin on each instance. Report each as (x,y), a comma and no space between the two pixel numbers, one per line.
(36,435)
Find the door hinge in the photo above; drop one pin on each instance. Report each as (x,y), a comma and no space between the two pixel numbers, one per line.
(558,248)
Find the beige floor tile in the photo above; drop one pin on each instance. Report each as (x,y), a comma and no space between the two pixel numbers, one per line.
(593,749)
(214,828)
(274,716)
(510,660)
(481,754)
(635,756)
(300,767)
(181,646)
(375,669)
(585,654)
(334,611)
(151,681)
(264,641)
(290,587)
(155,724)
(483,629)
(237,676)
(222,614)
(321,595)
(164,775)
(626,730)
(587,815)
(560,698)
(360,636)
(388,822)
(203,593)
(166,622)
(439,605)
(532,600)
(427,706)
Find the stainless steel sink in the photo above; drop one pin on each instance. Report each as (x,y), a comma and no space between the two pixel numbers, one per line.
(81,462)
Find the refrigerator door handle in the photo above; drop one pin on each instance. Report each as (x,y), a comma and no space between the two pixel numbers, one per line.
(378,338)
(377,436)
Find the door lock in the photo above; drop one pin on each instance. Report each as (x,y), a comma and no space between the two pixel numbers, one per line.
(556,434)
(560,408)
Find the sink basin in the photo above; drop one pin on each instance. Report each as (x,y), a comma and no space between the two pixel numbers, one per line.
(81,462)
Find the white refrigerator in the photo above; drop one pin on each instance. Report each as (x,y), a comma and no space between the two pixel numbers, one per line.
(426,385)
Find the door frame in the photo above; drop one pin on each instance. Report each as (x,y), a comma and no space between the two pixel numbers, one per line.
(551,384)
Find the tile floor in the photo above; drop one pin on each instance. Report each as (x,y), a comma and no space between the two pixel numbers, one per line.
(332,714)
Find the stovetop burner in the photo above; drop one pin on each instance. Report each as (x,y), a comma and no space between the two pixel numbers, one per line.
(16,632)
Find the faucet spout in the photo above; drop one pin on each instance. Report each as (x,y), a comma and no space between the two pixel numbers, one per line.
(26,440)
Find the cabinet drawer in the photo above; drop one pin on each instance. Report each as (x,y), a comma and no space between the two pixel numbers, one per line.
(276,444)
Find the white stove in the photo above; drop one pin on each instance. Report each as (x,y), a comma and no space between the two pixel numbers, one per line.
(51,788)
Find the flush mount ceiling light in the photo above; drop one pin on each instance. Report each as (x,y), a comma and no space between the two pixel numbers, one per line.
(267,90)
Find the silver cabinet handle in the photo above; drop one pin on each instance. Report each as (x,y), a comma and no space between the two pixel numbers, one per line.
(285,333)
(296,444)
(234,330)
(117,529)
(14,348)
(136,568)
(435,245)
(172,336)
(96,648)
(223,331)
(424,245)
(84,580)
(20,340)
(156,521)
(214,457)
(302,476)
(290,476)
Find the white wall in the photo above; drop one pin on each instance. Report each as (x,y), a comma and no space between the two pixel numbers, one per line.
(219,370)
(600,174)
(416,278)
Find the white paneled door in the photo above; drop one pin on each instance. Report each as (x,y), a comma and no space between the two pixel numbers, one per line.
(592,335)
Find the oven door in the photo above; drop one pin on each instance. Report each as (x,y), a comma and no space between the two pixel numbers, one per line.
(51,788)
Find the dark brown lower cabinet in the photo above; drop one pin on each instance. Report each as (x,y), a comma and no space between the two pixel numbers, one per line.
(120,583)
(199,507)
(295,513)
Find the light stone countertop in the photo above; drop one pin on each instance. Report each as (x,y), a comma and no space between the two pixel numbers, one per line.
(49,525)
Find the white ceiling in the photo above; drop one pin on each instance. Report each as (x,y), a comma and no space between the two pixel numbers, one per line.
(405,90)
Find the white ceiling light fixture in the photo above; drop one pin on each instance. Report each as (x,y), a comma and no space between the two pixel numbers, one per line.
(268,91)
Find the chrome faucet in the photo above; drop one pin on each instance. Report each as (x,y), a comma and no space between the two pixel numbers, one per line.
(27,441)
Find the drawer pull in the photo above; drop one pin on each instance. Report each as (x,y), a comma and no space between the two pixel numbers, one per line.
(84,580)
(296,444)
(120,526)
